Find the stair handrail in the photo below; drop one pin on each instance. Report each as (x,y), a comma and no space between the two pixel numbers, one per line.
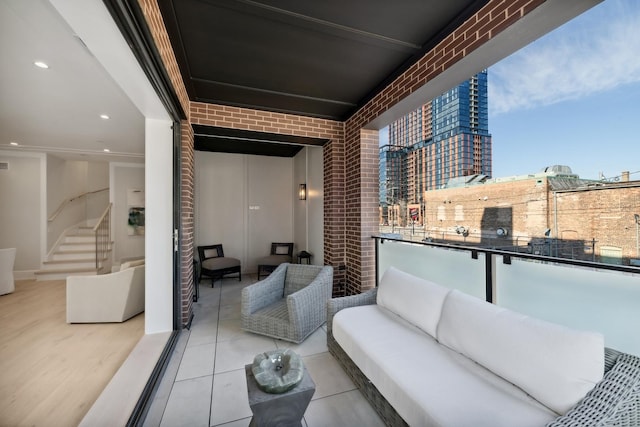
(102,232)
(71,199)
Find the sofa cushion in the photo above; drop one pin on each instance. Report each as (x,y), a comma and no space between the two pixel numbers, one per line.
(554,364)
(427,383)
(416,300)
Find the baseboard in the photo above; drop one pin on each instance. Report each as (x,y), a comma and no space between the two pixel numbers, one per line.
(24,275)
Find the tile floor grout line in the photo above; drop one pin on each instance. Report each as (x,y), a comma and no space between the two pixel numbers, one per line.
(213,369)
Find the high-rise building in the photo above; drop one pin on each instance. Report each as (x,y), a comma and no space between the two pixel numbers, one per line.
(445,138)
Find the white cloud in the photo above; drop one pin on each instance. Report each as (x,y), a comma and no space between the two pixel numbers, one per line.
(598,51)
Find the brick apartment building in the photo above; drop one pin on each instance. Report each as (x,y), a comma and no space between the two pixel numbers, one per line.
(551,213)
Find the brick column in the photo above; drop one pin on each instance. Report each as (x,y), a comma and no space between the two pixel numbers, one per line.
(334,212)
(361,207)
(186,221)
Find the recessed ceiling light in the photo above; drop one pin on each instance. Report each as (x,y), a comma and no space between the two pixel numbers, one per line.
(106,150)
(41,64)
(104,116)
(15,144)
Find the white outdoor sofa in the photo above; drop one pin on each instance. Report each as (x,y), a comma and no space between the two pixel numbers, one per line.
(425,355)
(113,297)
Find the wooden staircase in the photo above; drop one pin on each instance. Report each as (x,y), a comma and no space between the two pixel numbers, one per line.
(75,255)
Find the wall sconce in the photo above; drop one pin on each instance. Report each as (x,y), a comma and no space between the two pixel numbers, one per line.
(302,192)
(502,232)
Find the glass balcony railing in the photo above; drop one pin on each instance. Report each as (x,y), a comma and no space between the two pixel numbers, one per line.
(578,294)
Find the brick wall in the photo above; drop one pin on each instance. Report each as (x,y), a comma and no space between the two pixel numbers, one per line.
(520,206)
(187,166)
(154,20)
(606,215)
(334,213)
(361,209)
(527,208)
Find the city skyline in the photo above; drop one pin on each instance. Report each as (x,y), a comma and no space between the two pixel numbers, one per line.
(570,98)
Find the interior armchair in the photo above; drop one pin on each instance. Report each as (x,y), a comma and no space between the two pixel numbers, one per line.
(7,260)
(290,304)
(280,253)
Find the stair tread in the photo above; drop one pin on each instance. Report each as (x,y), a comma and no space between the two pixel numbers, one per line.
(76,252)
(78,243)
(71,261)
(67,270)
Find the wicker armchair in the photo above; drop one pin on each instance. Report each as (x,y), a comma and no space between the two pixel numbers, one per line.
(290,304)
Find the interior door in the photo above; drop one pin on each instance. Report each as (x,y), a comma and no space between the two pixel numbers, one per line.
(270,205)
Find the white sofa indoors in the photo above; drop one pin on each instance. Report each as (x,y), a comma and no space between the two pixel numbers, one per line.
(7,259)
(113,297)
(426,355)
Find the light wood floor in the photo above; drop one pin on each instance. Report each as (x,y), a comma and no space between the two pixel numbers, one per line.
(51,372)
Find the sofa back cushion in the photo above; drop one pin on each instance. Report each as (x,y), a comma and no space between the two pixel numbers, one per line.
(416,300)
(554,364)
(132,263)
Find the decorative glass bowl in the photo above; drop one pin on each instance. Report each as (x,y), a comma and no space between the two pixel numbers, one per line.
(277,371)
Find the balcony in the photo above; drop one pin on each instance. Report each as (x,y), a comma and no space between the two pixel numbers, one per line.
(205,382)
(578,294)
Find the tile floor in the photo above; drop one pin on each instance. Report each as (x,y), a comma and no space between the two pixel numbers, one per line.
(205,384)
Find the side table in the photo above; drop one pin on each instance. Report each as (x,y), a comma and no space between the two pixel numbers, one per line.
(304,256)
(281,410)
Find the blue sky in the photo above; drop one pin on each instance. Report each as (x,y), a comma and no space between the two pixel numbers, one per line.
(571,97)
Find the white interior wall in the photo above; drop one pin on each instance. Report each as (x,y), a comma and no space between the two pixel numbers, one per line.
(22,208)
(67,179)
(97,179)
(220,216)
(56,194)
(158,226)
(243,202)
(124,176)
